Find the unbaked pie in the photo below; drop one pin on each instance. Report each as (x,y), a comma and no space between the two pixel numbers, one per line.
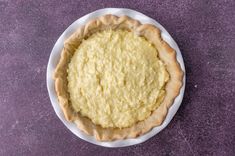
(116,78)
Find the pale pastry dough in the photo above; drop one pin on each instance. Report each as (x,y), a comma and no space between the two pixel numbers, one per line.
(116,78)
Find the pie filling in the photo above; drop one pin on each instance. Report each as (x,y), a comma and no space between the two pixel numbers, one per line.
(116,79)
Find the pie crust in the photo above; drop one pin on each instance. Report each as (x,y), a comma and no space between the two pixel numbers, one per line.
(165,53)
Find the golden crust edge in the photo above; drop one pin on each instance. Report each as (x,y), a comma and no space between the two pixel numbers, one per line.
(166,53)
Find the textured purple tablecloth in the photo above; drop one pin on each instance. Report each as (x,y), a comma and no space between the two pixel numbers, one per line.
(205,33)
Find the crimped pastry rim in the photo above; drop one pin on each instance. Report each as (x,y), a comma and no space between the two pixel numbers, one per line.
(166,53)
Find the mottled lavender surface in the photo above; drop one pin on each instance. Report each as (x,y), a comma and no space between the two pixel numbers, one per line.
(205,33)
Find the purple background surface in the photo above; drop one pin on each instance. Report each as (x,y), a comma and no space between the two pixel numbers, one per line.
(205,33)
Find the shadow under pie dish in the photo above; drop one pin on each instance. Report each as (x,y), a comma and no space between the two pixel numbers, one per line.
(116,78)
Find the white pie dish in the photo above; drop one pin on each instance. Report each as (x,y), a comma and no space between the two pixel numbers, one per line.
(55,55)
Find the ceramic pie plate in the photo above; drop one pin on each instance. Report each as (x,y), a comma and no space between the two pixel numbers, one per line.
(54,58)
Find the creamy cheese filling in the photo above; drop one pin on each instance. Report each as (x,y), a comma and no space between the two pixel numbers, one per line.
(116,79)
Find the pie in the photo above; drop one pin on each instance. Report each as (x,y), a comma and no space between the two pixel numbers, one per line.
(116,78)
